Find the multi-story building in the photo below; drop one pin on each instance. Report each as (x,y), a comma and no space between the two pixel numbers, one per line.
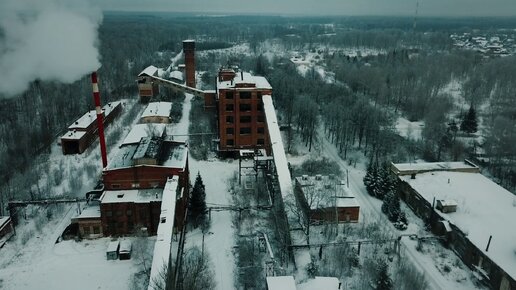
(241,118)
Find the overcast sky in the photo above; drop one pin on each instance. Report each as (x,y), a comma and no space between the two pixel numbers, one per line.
(322,7)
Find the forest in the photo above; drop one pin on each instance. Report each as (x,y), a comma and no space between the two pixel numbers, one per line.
(402,73)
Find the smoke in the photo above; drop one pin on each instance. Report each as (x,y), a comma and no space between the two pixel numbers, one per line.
(48,40)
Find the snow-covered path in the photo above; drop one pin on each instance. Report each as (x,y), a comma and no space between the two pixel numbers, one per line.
(370,208)
(219,241)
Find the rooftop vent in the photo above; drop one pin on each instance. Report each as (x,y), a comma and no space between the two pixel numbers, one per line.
(304,177)
(318,177)
(120,195)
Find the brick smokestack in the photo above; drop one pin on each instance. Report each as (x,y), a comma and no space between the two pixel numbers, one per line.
(189,51)
(100,118)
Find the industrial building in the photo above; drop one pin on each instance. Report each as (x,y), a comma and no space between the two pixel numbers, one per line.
(326,199)
(157,112)
(472,214)
(237,102)
(84,130)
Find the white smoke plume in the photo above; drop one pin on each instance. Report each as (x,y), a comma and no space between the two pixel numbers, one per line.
(48,40)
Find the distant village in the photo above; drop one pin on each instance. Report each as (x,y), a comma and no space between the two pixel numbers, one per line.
(497,44)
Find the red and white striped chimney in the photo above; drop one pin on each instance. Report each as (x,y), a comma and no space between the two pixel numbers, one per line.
(100,118)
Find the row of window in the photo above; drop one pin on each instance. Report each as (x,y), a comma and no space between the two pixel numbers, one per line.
(245,119)
(231,142)
(245,130)
(243,107)
(243,95)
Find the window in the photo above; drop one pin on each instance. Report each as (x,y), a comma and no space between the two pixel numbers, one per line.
(86,230)
(109,213)
(245,130)
(261,141)
(130,225)
(129,212)
(245,95)
(96,230)
(230,142)
(229,119)
(261,119)
(245,119)
(229,107)
(259,95)
(229,95)
(135,185)
(245,107)
(118,213)
(260,107)
(230,131)
(260,130)
(115,185)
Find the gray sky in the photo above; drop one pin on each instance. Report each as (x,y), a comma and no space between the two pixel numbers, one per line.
(322,7)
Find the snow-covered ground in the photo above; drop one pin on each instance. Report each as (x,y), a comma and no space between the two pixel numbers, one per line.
(409,130)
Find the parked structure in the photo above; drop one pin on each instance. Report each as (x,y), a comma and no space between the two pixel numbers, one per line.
(84,130)
(476,224)
(326,199)
(157,112)
(112,250)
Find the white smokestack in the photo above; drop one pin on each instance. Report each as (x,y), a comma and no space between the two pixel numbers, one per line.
(49,40)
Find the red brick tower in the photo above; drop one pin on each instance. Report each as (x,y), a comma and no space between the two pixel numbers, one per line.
(189,51)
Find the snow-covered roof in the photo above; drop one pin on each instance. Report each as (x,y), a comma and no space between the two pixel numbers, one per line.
(411,168)
(163,245)
(484,209)
(125,246)
(281,283)
(176,75)
(167,154)
(177,156)
(90,212)
(91,116)
(278,150)
(326,283)
(110,107)
(132,195)
(326,191)
(113,246)
(245,78)
(160,109)
(84,121)
(149,71)
(140,131)
(73,135)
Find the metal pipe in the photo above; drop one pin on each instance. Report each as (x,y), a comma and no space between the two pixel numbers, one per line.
(100,118)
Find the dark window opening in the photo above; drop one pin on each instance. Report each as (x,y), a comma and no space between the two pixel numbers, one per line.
(229,119)
(230,131)
(245,107)
(230,142)
(260,130)
(245,130)
(229,95)
(245,95)
(261,119)
(261,141)
(245,119)
(229,107)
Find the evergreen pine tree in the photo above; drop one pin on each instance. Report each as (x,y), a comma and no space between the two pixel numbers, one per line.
(469,123)
(198,202)
(368,179)
(383,280)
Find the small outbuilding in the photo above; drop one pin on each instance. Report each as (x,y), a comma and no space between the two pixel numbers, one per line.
(112,250)
(446,205)
(281,283)
(125,250)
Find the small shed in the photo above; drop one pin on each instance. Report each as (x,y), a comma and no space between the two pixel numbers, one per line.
(125,250)
(446,205)
(112,250)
